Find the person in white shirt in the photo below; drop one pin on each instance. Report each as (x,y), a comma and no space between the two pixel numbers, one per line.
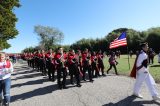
(6,68)
(142,74)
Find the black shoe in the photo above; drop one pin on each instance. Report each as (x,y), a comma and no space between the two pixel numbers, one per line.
(95,76)
(1,103)
(91,80)
(64,87)
(6,104)
(84,79)
(79,85)
(107,72)
(103,74)
(59,86)
(53,80)
(72,83)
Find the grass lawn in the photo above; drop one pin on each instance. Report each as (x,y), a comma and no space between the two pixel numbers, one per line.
(123,67)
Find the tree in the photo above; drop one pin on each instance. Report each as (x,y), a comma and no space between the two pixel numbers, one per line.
(49,36)
(66,47)
(7,22)
(153,40)
(29,50)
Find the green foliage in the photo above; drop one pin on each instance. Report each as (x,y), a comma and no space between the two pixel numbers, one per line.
(154,38)
(30,49)
(66,47)
(49,36)
(7,22)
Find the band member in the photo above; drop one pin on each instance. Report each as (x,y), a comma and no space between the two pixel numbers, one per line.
(94,63)
(50,65)
(159,57)
(32,60)
(43,63)
(6,68)
(151,55)
(73,64)
(131,53)
(27,57)
(86,60)
(79,58)
(36,60)
(100,62)
(118,53)
(142,74)
(112,61)
(39,55)
(61,69)
(137,53)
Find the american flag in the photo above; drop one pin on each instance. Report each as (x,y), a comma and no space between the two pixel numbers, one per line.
(120,41)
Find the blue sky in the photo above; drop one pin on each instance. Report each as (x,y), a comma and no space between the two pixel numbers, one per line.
(79,19)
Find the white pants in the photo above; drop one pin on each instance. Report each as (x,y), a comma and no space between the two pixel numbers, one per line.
(144,75)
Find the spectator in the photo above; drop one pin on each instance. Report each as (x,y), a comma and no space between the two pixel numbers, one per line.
(159,57)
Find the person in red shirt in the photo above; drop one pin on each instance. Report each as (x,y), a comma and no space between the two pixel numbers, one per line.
(43,63)
(87,65)
(28,59)
(32,60)
(60,66)
(100,62)
(113,63)
(94,63)
(39,55)
(50,65)
(36,60)
(79,57)
(73,64)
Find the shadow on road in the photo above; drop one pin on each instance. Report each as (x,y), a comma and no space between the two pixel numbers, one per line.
(129,101)
(36,92)
(28,76)
(39,81)
(23,72)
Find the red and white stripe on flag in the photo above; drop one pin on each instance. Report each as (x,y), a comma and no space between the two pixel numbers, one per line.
(117,43)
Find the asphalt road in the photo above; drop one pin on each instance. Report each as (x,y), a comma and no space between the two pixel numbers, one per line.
(29,88)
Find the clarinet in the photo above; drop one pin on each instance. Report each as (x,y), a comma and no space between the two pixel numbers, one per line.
(74,60)
(62,60)
(95,59)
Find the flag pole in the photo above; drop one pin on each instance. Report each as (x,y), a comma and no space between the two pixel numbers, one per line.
(128,57)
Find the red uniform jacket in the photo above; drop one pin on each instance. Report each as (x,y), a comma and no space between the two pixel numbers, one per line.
(39,55)
(100,56)
(70,59)
(57,57)
(93,58)
(84,56)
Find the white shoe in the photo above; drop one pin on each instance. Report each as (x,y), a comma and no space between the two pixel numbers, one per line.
(156,98)
(138,95)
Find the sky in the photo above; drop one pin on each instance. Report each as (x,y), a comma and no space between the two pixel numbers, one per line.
(79,19)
